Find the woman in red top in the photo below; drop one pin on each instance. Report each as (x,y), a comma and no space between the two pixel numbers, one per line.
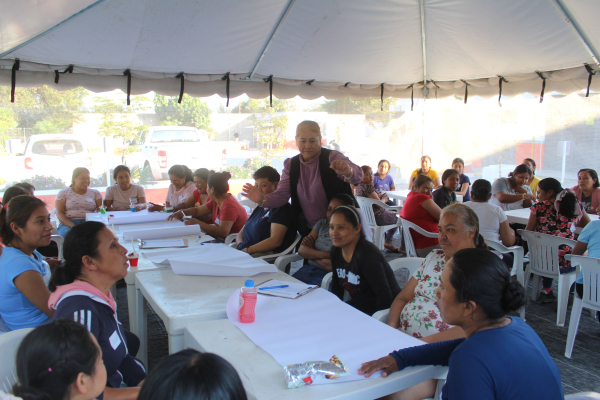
(200,196)
(230,216)
(420,209)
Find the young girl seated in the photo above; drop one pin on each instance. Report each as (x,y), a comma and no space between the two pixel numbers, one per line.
(24,226)
(317,245)
(60,360)
(94,261)
(445,195)
(382,181)
(358,266)
(190,375)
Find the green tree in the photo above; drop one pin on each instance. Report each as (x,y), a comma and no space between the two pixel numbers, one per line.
(262,105)
(43,109)
(191,112)
(8,120)
(370,108)
(270,126)
(119,121)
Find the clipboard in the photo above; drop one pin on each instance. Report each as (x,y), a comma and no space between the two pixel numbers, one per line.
(292,291)
(163,244)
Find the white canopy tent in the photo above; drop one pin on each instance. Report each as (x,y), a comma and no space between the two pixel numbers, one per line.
(310,48)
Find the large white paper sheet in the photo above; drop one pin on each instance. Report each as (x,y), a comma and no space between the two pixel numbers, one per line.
(210,259)
(143,227)
(127,217)
(162,232)
(315,327)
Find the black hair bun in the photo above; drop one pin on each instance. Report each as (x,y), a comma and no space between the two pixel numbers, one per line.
(227,175)
(513,297)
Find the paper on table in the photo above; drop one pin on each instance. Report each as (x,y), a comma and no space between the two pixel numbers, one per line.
(212,260)
(150,226)
(292,291)
(158,244)
(163,232)
(127,217)
(314,328)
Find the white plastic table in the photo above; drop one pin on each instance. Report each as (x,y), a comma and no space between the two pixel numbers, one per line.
(181,299)
(263,377)
(521,216)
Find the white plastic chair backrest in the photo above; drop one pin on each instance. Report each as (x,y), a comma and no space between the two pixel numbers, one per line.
(366,206)
(289,250)
(404,268)
(382,315)
(59,240)
(230,238)
(517,251)
(327,281)
(248,204)
(590,268)
(583,396)
(543,250)
(409,244)
(9,344)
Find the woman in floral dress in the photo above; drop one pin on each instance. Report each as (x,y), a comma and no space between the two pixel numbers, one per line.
(415,311)
(557,213)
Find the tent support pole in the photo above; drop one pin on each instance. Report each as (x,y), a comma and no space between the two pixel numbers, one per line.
(277,26)
(584,39)
(424,45)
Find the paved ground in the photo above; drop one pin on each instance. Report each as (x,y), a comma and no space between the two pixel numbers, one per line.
(580,373)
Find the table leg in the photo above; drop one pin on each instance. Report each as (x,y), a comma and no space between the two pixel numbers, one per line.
(132,308)
(142,326)
(175,343)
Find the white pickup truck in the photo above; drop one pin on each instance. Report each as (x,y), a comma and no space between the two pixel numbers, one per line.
(164,146)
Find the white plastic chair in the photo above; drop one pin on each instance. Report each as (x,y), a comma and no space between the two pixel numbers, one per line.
(9,344)
(517,268)
(230,240)
(409,263)
(366,205)
(284,263)
(409,244)
(583,396)
(59,242)
(543,262)
(248,205)
(590,268)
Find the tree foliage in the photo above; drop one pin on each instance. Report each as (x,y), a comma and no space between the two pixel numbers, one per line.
(263,106)
(370,108)
(191,112)
(43,109)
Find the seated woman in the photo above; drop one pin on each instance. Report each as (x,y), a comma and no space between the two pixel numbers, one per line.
(533,180)
(383,217)
(59,360)
(181,188)
(94,261)
(358,266)
(230,216)
(501,356)
(75,201)
(445,194)
(382,181)
(464,182)
(24,226)
(427,171)
(420,209)
(556,213)
(315,248)
(268,230)
(588,190)
(512,193)
(493,224)
(27,186)
(123,194)
(189,374)
(200,196)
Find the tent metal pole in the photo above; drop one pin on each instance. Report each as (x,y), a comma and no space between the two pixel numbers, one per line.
(584,39)
(277,26)
(424,45)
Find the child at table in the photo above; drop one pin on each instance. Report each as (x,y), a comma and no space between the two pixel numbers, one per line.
(382,181)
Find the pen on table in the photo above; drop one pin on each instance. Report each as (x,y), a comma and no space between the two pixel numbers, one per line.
(199,237)
(274,287)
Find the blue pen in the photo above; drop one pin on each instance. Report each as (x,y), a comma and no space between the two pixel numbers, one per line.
(274,287)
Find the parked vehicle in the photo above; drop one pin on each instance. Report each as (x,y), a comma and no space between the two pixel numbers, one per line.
(164,146)
(55,155)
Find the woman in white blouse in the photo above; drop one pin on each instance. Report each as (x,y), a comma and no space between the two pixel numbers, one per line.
(182,186)
(122,195)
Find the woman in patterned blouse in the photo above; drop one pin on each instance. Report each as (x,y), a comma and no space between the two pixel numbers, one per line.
(557,213)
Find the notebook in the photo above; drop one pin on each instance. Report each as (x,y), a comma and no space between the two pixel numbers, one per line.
(292,290)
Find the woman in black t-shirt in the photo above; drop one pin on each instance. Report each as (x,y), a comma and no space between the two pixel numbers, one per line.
(358,265)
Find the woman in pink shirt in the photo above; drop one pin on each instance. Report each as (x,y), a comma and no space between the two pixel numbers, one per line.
(311,179)
(181,187)
(74,202)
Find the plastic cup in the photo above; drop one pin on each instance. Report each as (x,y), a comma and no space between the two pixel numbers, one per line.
(132,208)
(133,260)
(168,210)
(102,210)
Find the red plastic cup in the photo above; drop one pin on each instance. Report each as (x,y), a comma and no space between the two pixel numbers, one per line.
(133,261)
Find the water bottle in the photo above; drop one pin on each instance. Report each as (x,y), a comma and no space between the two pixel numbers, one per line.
(247,302)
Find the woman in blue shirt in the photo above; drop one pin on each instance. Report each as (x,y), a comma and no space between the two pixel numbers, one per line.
(24,226)
(501,357)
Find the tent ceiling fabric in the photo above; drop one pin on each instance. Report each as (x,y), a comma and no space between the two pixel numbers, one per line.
(312,48)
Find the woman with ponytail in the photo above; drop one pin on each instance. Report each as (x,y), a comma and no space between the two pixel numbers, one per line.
(181,188)
(60,360)
(358,265)
(24,226)
(557,213)
(501,357)
(229,215)
(94,261)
